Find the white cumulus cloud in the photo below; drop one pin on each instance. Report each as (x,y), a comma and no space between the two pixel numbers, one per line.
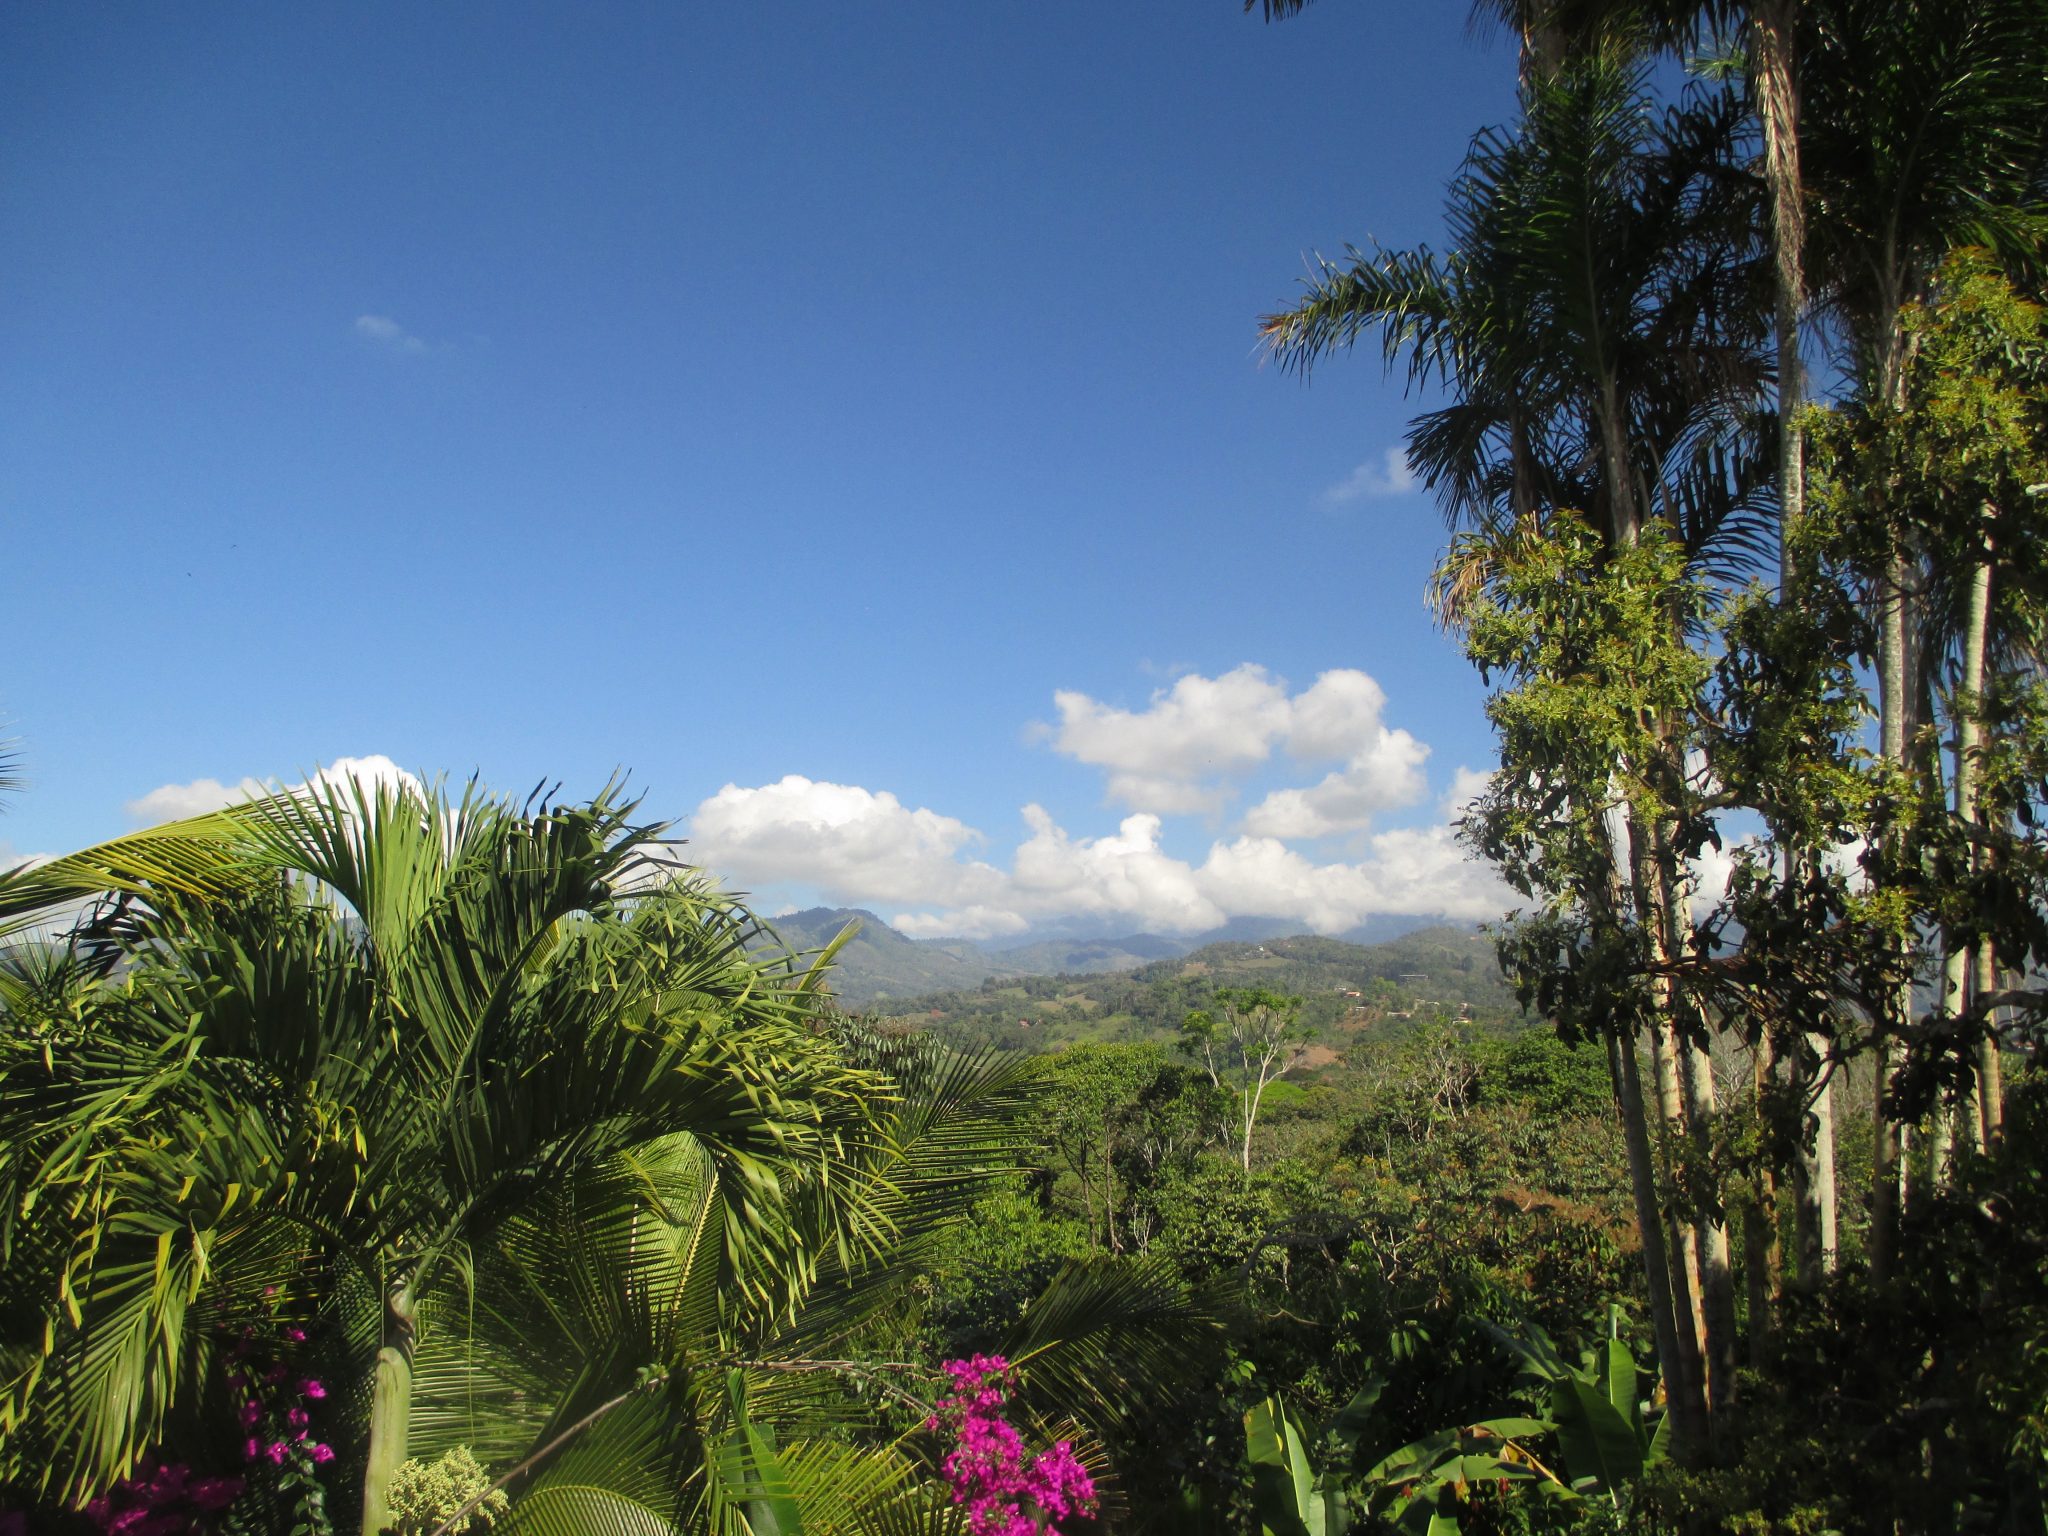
(174,802)
(856,845)
(1467,785)
(1178,755)
(12,858)
(387,332)
(1389,475)
(171,802)
(1168,756)
(865,848)
(1385,773)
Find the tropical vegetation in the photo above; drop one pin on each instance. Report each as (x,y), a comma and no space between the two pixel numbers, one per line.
(377,1157)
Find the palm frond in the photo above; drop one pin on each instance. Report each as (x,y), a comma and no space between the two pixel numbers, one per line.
(1108,1334)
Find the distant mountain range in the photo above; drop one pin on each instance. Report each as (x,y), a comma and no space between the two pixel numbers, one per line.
(880,963)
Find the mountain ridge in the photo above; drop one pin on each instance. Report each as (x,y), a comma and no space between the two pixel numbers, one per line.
(880,963)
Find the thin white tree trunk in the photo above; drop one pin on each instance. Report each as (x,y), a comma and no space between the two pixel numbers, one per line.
(1990,1073)
(1702,1112)
(1888,1160)
(1824,1164)
(1668,1314)
(1963,962)
(1760,1252)
(1776,81)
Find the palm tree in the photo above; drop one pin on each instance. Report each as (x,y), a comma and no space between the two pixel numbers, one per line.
(1551,31)
(1923,129)
(410,1024)
(783,1392)
(180,861)
(1593,326)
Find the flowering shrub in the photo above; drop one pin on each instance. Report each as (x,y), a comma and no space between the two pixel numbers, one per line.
(277,1429)
(164,1500)
(988,1468)
(278,1449)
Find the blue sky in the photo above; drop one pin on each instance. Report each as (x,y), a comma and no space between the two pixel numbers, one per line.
(846,419)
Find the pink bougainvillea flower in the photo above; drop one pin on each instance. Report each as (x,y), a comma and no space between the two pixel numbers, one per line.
(991,1475)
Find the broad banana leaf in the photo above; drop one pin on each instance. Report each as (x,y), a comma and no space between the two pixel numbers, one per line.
(1660,1444)
(1616,1368)
(1603,1451)
(1284,1493)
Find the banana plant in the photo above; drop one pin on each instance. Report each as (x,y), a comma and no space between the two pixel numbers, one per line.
(1596,1411)
(1290,1495)
(1590,1443)
(1424,1485)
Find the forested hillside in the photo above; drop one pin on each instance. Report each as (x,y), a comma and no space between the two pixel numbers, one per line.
(1445,973)
(881,967)
(385,1157)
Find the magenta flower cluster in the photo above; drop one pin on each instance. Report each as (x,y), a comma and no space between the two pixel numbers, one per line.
(1005,1492)
(164,1500)
(276,1425)
(170,1499)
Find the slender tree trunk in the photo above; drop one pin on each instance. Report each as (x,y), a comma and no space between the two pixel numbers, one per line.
(1679,1364)
(1776,84)
(1990,1074)
(1251,1108)
(1760,1257)
(390,1405)
(1941,1147)
(1888,1160)
(1684,1234)
(1646,892)
(1717,1272)
(1964,963)
(1664,900)
(1813,1166)
(1702,1114)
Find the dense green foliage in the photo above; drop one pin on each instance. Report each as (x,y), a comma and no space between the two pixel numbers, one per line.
(1344,987)
(385,1159)
(441,1126)
(1765,686)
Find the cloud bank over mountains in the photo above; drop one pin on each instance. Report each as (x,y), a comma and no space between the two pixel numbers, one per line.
(1312,853)
(1184,754)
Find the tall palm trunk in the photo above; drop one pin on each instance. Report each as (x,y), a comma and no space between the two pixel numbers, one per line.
(1776,81)
(1668,1315)
(1760,1253)
(1965,963)
(1889,1153)
(1958,966)
(1990,1075)
(1777,94)
(390,1405)
(1813,1171)
(1702,1113)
